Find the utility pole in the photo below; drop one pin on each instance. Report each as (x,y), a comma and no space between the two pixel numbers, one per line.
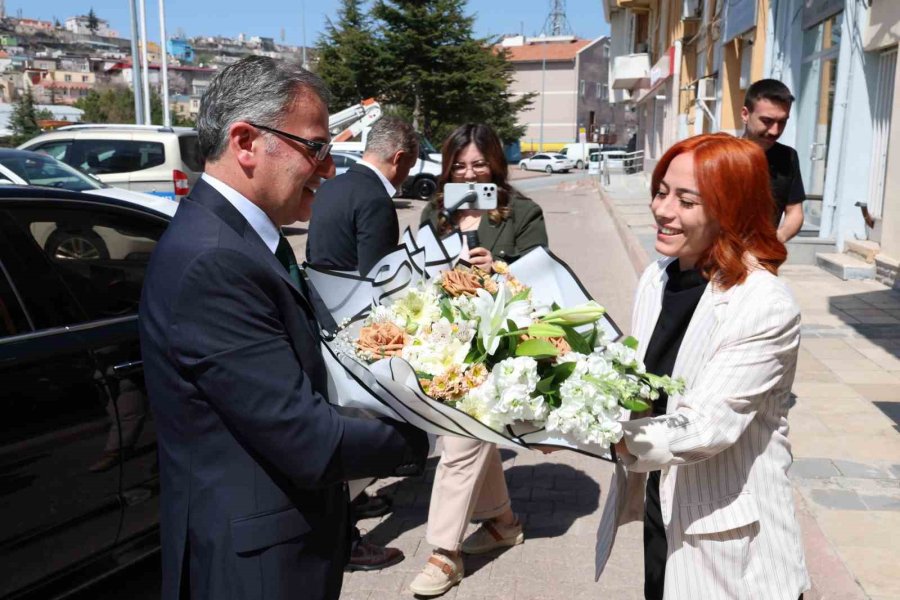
(303,26)
(136,67)
(164,67)
(145,75)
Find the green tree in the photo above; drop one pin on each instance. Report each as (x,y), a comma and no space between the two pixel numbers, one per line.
(116,105)
(441,74)
(23,121)
(351,60)
(93,23)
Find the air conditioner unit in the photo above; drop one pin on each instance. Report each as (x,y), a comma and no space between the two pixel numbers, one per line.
(706,89)
(691,9)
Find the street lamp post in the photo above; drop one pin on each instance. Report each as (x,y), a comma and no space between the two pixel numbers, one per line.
(145,73)
(543,78)
(136,67)
(164,67)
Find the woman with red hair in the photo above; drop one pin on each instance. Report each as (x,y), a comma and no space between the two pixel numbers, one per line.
(719,517)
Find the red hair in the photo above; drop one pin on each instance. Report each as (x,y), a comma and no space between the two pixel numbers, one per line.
(733,180)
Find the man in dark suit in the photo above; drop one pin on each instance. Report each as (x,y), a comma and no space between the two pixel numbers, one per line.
(354,223)
(253,458)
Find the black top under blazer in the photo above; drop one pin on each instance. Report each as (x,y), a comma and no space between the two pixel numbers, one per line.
(507,240)
(252,456)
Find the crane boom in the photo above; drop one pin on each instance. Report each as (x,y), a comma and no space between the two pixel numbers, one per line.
(350,122)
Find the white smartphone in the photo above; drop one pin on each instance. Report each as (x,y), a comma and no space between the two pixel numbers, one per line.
(474,196)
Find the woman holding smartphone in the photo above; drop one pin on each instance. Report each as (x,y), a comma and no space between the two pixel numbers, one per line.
(469,481)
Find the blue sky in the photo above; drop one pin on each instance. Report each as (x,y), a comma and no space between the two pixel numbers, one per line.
(267,17)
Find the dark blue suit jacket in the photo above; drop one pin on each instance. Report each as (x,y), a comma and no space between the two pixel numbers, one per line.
(252,457)
(354,223)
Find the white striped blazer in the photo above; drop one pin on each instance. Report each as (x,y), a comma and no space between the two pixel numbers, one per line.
(722,447)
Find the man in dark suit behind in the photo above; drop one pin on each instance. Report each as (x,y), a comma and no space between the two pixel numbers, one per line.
(253,459)
(354,223)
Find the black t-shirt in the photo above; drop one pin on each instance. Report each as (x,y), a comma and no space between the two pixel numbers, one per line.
(680,299)
(784,174)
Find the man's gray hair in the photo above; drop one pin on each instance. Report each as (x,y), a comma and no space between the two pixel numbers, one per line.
(257,89)
(389,135)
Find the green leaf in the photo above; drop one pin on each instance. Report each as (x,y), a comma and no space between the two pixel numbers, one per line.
(635,405)
(554,307)
(537,349)
(421,375)
(592,337)
(446,309)
(576,340)
(630,342)
(523,295)
(562,371)
(544,386)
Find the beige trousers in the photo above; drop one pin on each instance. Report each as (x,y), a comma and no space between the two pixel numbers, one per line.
(468,483)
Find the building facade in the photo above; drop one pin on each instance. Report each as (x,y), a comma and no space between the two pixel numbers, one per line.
(684,66)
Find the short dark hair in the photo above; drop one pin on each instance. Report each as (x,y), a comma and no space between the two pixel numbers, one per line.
(767,89)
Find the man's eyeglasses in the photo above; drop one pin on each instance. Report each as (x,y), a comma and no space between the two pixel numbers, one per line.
(480,167)
(320,150)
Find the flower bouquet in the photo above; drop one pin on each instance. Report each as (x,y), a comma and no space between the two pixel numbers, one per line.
(518,357)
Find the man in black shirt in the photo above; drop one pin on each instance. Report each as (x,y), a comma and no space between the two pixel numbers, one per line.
(766,109)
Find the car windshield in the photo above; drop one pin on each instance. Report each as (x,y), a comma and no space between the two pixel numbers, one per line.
(38,169)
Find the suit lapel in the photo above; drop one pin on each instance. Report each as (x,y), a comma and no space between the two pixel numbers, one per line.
(207,196)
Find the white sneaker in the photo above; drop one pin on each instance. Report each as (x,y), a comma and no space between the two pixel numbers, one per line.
(441,573)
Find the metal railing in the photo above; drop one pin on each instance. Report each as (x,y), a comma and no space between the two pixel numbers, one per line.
(625,162)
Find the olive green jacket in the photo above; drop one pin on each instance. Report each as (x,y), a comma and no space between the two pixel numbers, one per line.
(508,240)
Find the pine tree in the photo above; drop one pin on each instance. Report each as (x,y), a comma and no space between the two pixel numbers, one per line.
(23,121)
(93,23)
(442,75)
(351,60)
(116,105)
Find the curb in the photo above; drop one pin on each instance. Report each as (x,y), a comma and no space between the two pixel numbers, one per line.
(636,253)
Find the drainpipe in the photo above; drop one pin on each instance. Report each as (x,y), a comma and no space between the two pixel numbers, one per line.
(676,93)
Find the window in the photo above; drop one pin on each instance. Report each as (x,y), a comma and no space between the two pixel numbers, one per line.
(598,92)
(84,78)
(190,152)
(12,317)
(67,78)
(118,156)
(58,150)
(43,170)
(100,254)
(604,91)
(581,88)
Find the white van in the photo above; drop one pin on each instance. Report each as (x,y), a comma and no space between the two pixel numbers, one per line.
(580,153)
(422,180)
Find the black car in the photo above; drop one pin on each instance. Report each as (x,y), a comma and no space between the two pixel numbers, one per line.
(78,467)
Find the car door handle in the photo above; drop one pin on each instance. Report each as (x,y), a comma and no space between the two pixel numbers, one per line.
(127,367)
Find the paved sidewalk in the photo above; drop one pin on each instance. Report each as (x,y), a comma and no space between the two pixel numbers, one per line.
(844,425)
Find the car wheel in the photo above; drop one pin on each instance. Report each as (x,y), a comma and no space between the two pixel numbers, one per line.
(522,166)
(579,164)
(424,188)
(548,168)
(76,245)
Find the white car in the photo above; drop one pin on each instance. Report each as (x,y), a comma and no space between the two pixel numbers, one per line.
(344,160)
(551,163)
(21,167)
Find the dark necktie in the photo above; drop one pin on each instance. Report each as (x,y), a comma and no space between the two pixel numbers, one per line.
(285,255)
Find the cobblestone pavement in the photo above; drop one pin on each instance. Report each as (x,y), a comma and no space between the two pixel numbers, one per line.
(844,423)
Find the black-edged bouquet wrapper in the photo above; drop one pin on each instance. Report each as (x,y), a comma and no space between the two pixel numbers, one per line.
(522,314)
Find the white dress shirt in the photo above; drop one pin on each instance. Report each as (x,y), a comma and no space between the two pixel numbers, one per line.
(259,221)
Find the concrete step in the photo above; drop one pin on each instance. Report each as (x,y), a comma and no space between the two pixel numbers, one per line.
(802,250)
(845,266)
(864,249)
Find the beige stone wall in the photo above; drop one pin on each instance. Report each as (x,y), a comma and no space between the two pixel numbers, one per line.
(890,232)
(883,28)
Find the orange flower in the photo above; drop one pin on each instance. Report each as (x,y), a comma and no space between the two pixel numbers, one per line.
(560,343)
(381,339)
(458,282)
